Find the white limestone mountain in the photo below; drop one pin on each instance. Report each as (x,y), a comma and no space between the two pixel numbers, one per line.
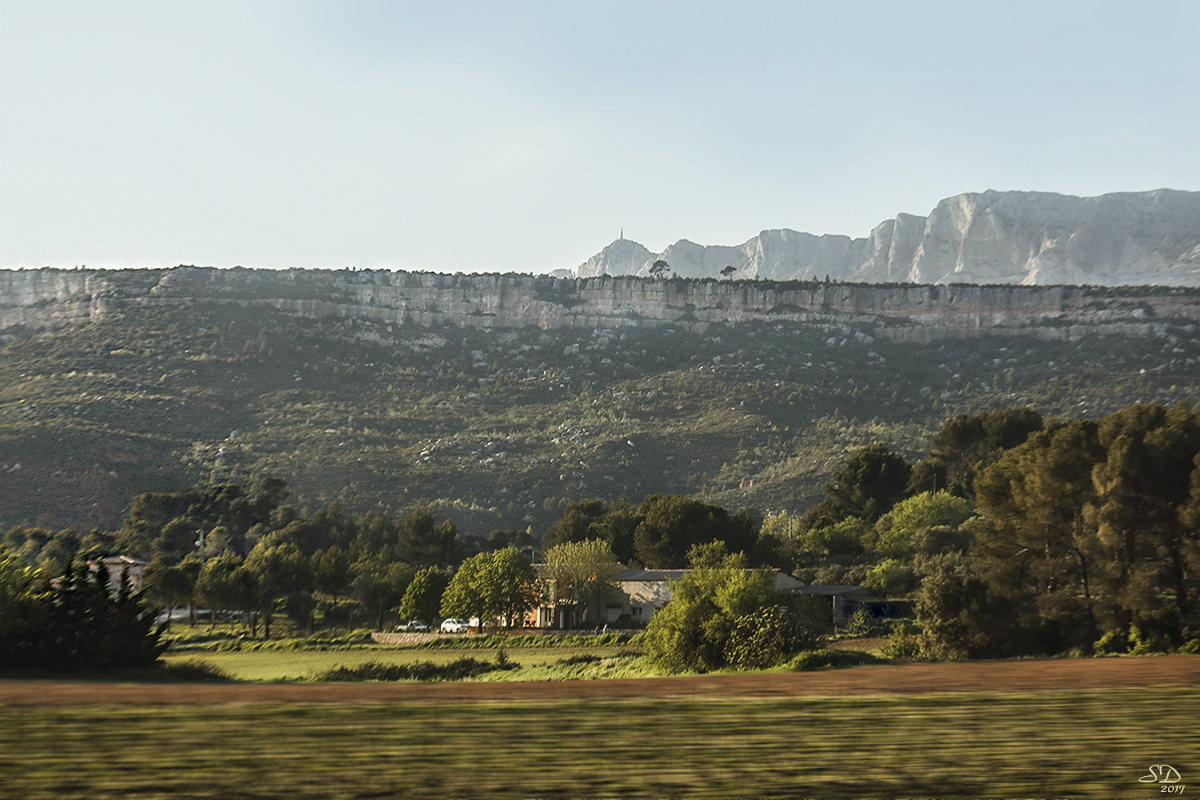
(1029,238)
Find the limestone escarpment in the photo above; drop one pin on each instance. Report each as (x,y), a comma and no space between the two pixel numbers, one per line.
(1027,238)
(35,299)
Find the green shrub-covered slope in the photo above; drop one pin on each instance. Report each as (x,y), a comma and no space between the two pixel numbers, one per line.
(501,429)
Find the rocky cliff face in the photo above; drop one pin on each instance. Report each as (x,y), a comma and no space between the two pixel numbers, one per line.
(1026,238)
(36,299)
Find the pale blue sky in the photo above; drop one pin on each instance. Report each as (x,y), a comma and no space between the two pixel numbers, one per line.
(492,136)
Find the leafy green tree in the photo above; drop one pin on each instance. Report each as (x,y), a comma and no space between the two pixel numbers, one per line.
(1033,538)
(619,527)
(891,578)
(223,585)
(577,523)
(299,607)
(380,585)
(24,614)
(328,527)
(512,582)
(779,538)
(1142,486)
(332,571)
(425,543)
(377,534)
(145,530)
(849,538)
(169,525)
(671,525)
(278,569)
(580,574)
(498,539)
(582,520)
(693,632)
(968,443)
(178,538)
(13,538)
(1086,528)
(872,481)
(169,586)
(929,475)
(423,597)
(899,528)
(18,581)
(1186,556)
(99,629)
(466,594)
(965,617)
(489,585)
(270,494)
(60,550)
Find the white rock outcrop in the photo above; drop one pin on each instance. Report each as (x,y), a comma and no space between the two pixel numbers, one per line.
(49,298)
(1027,238)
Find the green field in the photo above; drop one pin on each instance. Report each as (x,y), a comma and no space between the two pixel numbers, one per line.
(1065,744)
(269,665)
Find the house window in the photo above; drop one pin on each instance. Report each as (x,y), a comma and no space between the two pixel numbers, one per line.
(637,611)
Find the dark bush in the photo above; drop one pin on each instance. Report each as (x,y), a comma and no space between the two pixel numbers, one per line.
(457,670)
(820,659)
(189,672)
(78,626)
(766,637)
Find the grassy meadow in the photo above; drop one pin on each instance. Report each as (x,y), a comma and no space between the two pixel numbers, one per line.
(1061,744)
(303,664)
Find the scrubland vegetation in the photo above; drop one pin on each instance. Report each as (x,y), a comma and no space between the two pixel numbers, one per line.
(500,430)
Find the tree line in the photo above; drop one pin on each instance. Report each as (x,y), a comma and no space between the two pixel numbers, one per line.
(1011,535)
(1087,538)
(1017,535)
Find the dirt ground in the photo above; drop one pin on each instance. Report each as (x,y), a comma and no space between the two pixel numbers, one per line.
(883,680)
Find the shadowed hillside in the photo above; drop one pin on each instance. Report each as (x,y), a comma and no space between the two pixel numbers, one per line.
(350,386)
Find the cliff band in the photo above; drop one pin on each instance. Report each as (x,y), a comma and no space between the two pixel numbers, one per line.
(48,298)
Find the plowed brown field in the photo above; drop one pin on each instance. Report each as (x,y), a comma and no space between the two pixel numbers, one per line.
(902,679)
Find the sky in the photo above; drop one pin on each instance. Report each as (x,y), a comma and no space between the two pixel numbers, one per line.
(466,136)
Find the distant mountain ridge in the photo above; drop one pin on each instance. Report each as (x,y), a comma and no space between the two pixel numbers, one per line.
(1025,238)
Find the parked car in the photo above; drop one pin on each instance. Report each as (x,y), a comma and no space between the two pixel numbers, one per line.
(413,626)
(454,626)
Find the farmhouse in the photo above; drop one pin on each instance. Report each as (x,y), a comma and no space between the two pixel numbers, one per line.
(637,594)
(116,566)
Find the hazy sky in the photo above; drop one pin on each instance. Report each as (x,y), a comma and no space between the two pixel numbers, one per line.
(523,136)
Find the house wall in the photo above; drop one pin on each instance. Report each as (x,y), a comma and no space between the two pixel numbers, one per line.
(643,598)
(115,566)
